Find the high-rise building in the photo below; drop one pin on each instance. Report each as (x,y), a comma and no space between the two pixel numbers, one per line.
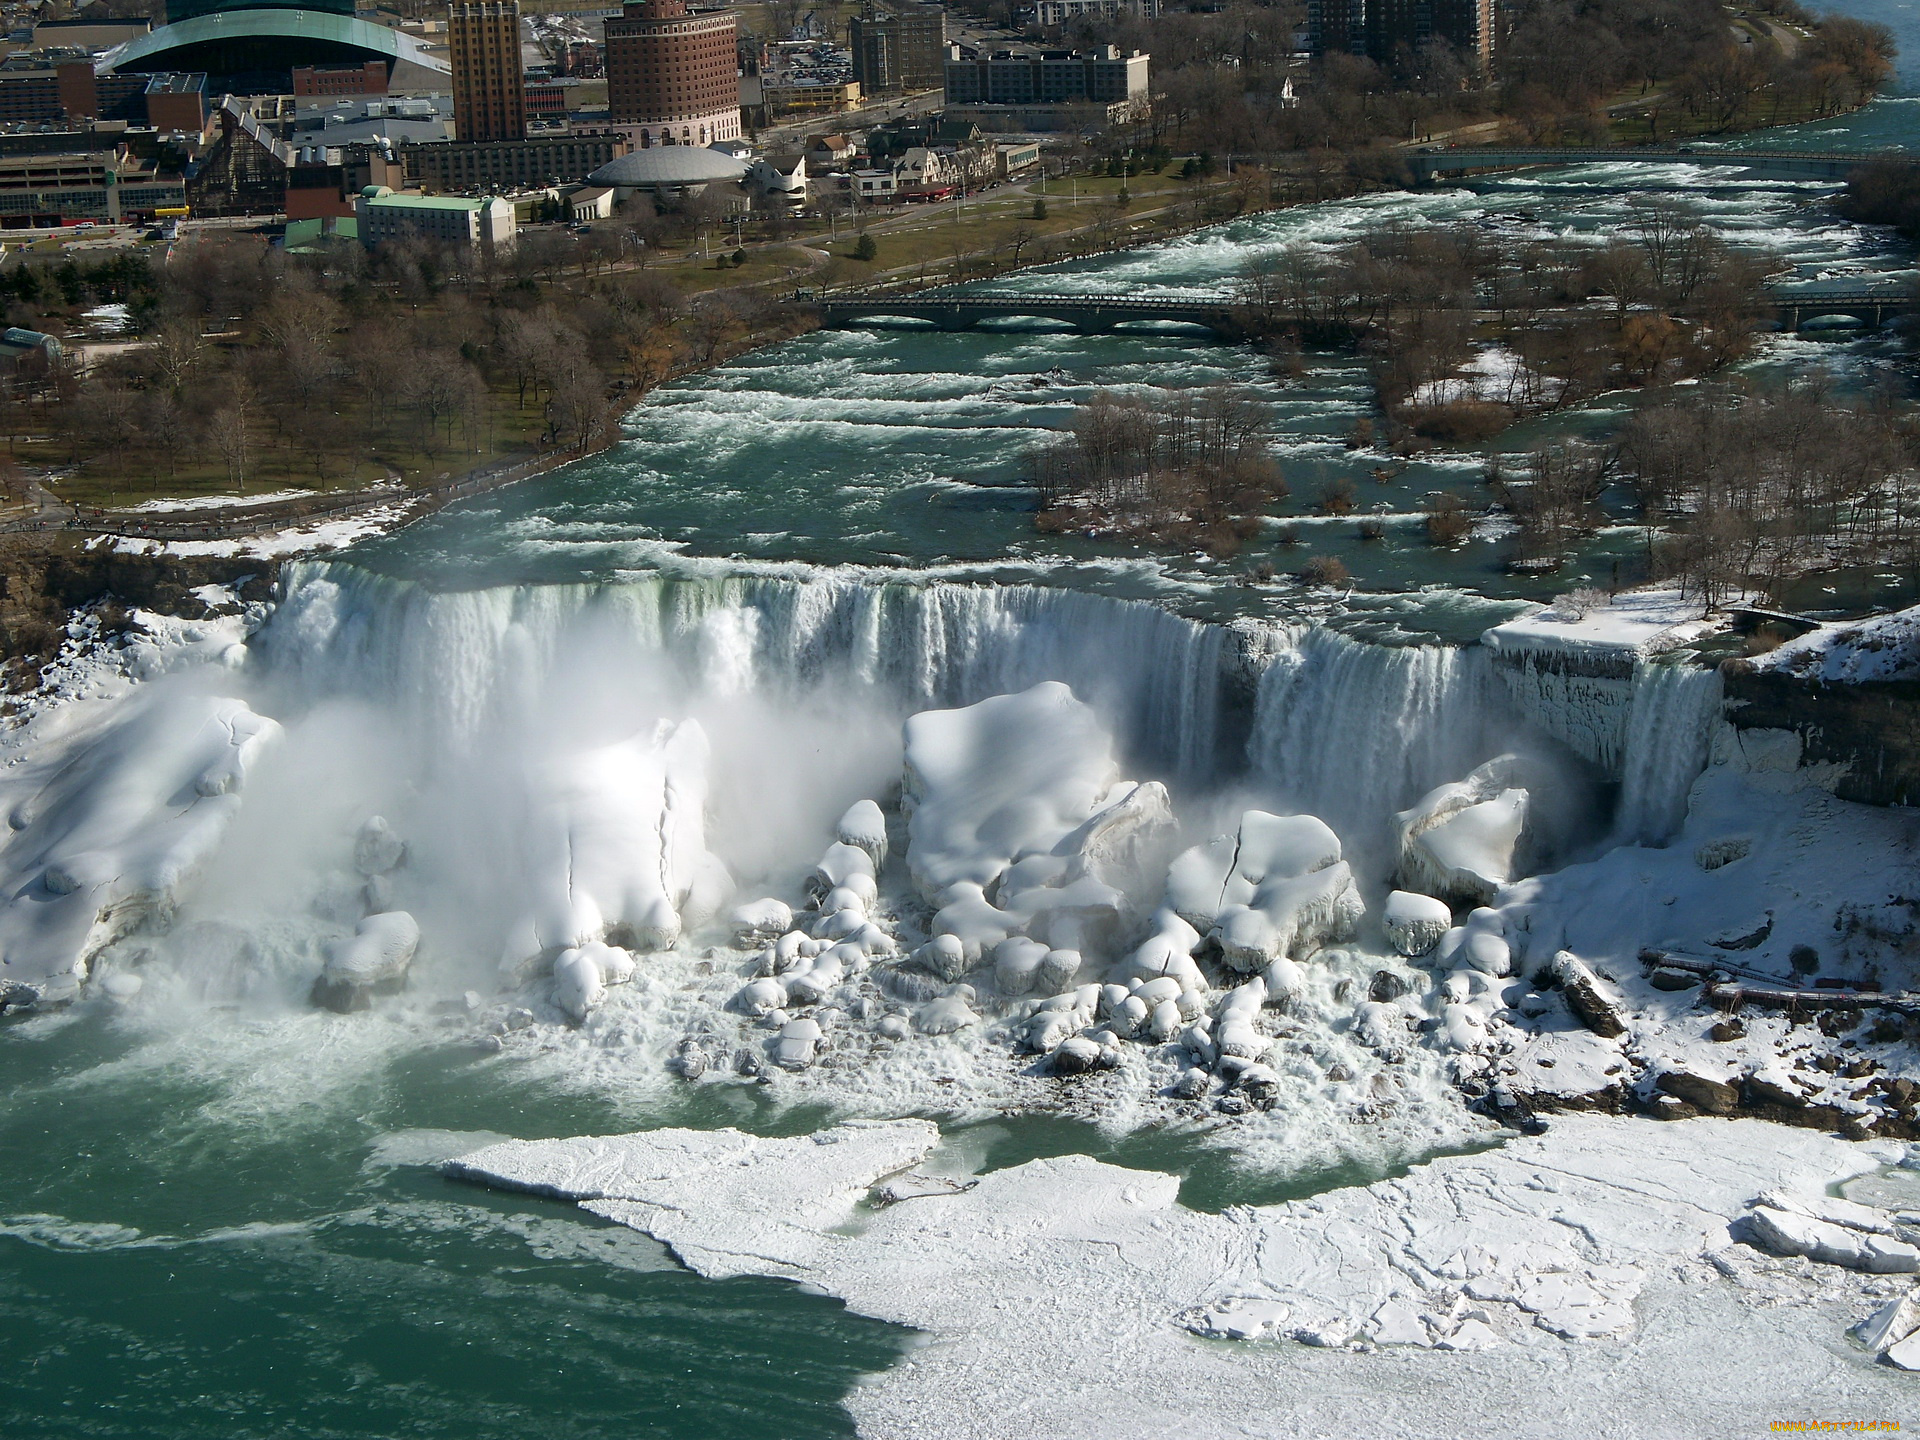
(489,93)
(673,74)
(901,49)
(1379,28)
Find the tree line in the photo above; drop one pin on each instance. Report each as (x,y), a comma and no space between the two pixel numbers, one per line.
(1561,320)
(1572,71)
(326,368)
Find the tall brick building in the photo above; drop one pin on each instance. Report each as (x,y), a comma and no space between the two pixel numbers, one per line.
(673,76)
(489,94)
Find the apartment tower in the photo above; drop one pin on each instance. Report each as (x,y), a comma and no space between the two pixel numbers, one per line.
(673,75)
(900,49)
(489,95)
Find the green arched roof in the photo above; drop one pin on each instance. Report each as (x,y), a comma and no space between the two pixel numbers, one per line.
(317,27)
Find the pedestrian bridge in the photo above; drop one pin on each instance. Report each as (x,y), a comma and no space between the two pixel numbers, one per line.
(1872,308)
(1099,314)
(1768,164)
(1095,313)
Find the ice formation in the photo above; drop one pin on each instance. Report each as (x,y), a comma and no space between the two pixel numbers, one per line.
(1276,888)
(997,781)
(614,847)
(1606,1230)
(113,836)
(376,955)
(1460,842)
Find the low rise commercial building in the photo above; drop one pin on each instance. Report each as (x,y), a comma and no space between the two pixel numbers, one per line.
(105,186)
(484,224)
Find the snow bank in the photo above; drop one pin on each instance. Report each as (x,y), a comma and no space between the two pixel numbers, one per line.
(120,829)
(1886,647)
(1604,1229)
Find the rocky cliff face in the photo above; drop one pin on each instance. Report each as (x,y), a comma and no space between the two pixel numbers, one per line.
(45,577)
(1870,727)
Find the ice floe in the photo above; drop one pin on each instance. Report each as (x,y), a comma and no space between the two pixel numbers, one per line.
(1606,1235)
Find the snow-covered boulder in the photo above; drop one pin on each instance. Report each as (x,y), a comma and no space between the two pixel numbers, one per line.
(1167,951)
(376,849)
(1415,923)
(864,827)
(798,1041)
(1460,842)
(122,828)
(615,842)
(1125,840)
(581,976)
(1278,887)
(991,782)
(377,955)
(759,921)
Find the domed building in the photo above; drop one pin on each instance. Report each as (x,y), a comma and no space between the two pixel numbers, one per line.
(251,47)
(669,171)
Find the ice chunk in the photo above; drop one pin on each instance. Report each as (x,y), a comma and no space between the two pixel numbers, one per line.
(1397,1323)
(1239,1318)
(1460,841)
(1415,922)
(1890,1324)
(1787,1232)
(994,781)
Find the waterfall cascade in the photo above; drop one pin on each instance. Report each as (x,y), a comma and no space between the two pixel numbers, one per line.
(1344,729)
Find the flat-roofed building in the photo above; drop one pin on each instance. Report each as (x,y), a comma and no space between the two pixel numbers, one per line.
(1100,76)
(368,78)
(486,224)
(901,49)
(512,164)
(107,186)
